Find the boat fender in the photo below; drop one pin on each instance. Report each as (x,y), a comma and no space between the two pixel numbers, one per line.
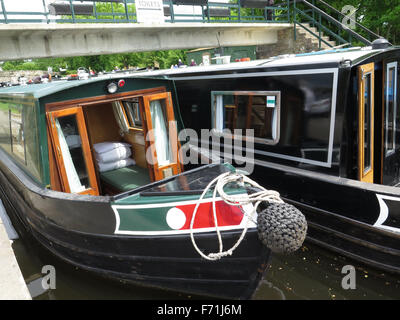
(281,227)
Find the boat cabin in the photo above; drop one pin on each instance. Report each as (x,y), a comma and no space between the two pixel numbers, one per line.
(101,136)
(333,112)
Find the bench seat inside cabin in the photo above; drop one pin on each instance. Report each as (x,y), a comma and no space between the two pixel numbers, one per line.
(125,179)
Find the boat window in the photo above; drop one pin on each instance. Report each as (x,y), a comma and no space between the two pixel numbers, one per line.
(160,126)
(257,110)
(72,152)
(391,107)
(367,123)
(19,134)
(132,113)
(120,116)
(16,125)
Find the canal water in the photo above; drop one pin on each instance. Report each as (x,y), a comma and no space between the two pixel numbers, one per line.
(311,273)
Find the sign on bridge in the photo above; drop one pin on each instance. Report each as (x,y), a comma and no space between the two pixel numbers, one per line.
(150,11)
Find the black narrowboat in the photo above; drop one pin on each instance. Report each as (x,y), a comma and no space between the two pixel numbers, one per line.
(326,131)
(91,169)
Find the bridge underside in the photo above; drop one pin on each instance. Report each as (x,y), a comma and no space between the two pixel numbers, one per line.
(24,41)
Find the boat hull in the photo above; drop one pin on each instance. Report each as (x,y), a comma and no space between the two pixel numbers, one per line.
(163,261)
(355,219)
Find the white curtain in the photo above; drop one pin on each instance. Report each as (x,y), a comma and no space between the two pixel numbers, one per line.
(73,178)
(219,113)
(119,116)
(162,143)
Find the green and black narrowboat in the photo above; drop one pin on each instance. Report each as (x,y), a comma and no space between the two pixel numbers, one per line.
(131,223)
(326,136)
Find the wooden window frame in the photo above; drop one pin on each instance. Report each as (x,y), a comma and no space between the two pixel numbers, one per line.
(87,154)
(176,166)
(365,174)
(140,101)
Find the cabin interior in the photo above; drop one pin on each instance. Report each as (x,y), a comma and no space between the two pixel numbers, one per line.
(100,147)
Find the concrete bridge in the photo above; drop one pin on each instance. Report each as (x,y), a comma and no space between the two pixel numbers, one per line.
(24,41)
(91,27)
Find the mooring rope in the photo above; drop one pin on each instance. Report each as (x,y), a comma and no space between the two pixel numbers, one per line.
(234,200)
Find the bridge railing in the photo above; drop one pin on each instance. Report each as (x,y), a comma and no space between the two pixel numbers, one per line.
(124,11)
(329,21)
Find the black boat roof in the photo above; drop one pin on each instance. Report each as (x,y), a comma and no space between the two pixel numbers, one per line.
(328,57)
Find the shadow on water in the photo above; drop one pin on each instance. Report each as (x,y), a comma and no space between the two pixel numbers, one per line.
(74,283)
(311,273)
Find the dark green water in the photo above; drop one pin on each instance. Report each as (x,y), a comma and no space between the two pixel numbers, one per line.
(311,273)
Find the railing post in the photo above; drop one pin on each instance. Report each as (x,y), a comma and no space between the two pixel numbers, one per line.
(313,14)
(294,20)
(239,16)
(112,11)
(126,11)
(171,7)
(95,11)
(72,11)
(45,11)
(4,11)
(288,10)
(319,32)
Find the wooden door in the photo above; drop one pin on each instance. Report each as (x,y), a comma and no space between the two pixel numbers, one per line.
(70,145)
(366,123)
(162,145)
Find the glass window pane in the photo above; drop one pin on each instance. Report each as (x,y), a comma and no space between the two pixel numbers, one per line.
(248,111)
(161,133)
(72,152)
(5,136)
(132,112)
(17,132)
(367,123)
(31,139)
(390,110)
(19,135)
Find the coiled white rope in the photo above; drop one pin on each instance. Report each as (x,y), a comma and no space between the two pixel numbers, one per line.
(234,200)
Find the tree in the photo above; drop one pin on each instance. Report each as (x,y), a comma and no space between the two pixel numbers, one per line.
(380,16)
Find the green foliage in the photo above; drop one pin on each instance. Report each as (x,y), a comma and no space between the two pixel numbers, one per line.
(380,16)
(163,59)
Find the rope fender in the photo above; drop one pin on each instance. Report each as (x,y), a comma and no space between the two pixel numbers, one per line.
(281,227)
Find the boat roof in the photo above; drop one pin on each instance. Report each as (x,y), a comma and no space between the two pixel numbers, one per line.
(44,89)
(291,60)
(354,55)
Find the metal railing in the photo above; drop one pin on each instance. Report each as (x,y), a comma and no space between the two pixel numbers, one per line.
(124,11)
(317,17)
(327,20)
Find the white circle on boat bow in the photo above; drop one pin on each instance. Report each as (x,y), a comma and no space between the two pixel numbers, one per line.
(176,218)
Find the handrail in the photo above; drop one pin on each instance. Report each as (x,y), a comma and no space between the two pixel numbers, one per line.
(321,27)
(357,23)
(336,22)
(314,10)
(123,11)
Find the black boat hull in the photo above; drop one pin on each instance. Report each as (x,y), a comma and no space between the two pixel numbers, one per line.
(166,261)
(343,215)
